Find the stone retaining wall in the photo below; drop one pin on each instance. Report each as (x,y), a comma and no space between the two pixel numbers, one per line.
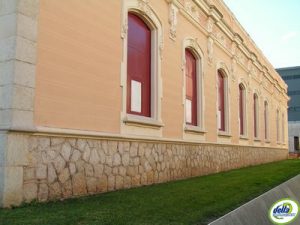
(64,167)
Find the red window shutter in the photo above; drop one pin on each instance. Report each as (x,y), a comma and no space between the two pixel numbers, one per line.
(221,102)
(277,125)
(191,85)
(265,120)
(255,114)
(139,63)
(241,101)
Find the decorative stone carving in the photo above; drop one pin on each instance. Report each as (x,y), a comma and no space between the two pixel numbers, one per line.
(221,37)
(241,57)
(192,10)
(233,48)
(210,24)
(143,6)
(254,71)
(249,65)
(173,10)
(124,29)
(210,50)
(161,48)
(233,69)
(194,43)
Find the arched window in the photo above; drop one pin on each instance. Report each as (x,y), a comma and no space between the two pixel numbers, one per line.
(191,88)
(266,120)
(138,67)
(255,115)
(192,56)
(222,101)
(282,128)
(277,125)
(242,111)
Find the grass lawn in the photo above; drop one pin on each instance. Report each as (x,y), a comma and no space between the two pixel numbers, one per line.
(193,201)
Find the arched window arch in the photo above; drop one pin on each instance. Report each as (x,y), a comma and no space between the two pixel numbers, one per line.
(255,115)
(193,89)
(223,124)
(266,120)
(138,67)
(242,109)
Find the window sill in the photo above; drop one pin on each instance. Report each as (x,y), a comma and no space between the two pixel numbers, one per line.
(257,139)
(142,121)
(224,134)
(267,141)
(194,129)
(244,137)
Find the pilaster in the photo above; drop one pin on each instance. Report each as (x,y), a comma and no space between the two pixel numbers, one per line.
(18,40)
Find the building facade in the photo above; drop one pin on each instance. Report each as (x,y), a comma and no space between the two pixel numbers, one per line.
(104,95)
(291,75)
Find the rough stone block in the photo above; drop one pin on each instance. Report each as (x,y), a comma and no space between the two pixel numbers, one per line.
(91,184)
(13,188)
(28,7)
(6,96)
(43,192)
(8,7)
(8,49)
(8,24)
(79,184)
(30,191)
(55,191)
(6,72)
(25,50)
(17,152)
(27,27)
(111,183)
(64,175)
(67,189)
(41,171)
(22,119)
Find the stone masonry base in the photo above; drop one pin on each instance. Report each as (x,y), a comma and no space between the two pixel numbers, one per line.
(46,168)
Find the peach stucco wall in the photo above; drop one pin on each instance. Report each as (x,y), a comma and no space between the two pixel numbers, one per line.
(78,71)
(78,81)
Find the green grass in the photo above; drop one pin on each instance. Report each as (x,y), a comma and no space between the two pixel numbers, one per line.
(193,201)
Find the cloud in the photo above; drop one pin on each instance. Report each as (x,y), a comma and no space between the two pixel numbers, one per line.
(288,36)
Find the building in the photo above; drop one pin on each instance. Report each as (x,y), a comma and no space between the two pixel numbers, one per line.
(104,95)
(291,75)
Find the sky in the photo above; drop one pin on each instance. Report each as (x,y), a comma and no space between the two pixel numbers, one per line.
(274,25)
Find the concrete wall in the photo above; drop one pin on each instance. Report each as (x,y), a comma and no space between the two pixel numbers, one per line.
(294,131)
(291,75)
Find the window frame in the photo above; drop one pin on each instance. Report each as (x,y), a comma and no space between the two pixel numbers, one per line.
(277,126)
(130,79)
(194,48)
(282,129)
(266,121)
(221,67)
(194,100)
(137,124)
(256,132)
(244,107)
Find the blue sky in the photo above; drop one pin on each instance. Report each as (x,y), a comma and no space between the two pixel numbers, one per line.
(274,25)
